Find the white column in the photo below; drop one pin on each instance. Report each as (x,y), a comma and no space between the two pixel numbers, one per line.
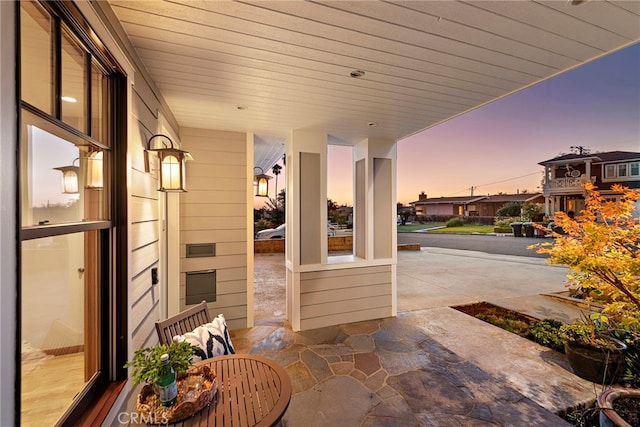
(375,199)
(306,211)
(250,228)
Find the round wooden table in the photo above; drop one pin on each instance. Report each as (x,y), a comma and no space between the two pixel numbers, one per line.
(252,391)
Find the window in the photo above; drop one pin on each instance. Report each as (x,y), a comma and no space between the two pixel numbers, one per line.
(622,171)
(36,59)
(68,291)
(610,171)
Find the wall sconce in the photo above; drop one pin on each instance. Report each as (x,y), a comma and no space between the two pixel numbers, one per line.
(95,178)
(69,177)
(172,165)
(262,183)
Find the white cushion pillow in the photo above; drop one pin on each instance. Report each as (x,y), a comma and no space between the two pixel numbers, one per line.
(212,339)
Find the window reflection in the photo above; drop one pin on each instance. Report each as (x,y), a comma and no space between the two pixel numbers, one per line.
(98,108)
(63,182)
(59,323)
(36,60)
(74,83)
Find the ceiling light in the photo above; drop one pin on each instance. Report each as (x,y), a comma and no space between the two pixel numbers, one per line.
(357,73)
(68,99)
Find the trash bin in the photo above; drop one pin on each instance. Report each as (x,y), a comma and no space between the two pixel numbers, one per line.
(528,229)
(517,229)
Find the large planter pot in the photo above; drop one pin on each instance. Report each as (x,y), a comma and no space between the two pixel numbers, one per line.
(609,417)
(598,365)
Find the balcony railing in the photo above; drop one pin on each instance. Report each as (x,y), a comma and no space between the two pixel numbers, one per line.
(568,183)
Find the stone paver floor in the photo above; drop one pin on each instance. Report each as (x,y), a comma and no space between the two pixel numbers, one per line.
(387,372)
(429,366)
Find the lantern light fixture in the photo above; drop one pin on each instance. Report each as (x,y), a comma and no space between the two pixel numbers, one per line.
(172,164)
(262,182)
(70,177)
(95,176)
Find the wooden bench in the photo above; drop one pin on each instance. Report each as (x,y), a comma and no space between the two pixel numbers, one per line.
(183,322)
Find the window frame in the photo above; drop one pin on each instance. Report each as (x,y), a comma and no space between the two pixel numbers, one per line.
(615,168)
(112,232)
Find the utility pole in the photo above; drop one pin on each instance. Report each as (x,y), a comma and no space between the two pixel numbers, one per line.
(579,149)
(472,188)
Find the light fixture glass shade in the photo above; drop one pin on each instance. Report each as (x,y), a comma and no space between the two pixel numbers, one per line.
(262,182)
(172,174)
(172,166)
(69,179)
(95,175)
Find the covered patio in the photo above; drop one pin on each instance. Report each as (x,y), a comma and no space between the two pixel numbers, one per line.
(238,85)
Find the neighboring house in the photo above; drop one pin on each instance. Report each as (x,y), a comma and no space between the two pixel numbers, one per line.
(565,175)
(470,205)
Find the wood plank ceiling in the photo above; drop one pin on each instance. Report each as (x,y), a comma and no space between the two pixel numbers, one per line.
(272,66)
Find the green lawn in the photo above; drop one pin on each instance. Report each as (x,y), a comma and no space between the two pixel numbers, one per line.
(414,227)
(433,227)
(482,229)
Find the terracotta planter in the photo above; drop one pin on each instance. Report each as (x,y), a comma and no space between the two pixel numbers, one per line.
(608,416)
(598,365)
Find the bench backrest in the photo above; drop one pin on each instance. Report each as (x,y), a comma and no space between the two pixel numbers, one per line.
(183,322)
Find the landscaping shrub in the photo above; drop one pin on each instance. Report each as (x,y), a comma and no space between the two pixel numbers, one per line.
(509,321)
(506,222)
(509,209)
(546,333)
(532,212)
(455,222)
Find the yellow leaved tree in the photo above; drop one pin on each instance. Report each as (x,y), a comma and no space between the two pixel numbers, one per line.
(601,247)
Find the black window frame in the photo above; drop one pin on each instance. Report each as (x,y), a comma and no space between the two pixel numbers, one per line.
(112,233)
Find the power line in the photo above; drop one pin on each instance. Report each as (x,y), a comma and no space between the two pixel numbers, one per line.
(493,183)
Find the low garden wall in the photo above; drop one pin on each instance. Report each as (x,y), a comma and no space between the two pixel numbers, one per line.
(335,244)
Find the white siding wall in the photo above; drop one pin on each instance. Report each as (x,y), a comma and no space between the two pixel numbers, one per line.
(332,297)
(144,226)
(214,210)
(144,237)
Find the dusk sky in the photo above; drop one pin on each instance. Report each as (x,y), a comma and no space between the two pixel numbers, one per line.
(496,148)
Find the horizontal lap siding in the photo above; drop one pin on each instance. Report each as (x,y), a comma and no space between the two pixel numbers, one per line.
(344,295)
(214,210)
(144,226)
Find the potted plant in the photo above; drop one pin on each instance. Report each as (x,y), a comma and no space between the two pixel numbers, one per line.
(146,364)
(592,354)
(601,247)
(619,407)
(196,384)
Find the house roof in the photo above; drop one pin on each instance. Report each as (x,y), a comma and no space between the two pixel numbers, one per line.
(355,70)
(496,198)
(608,156)
(461,200)
(521,197)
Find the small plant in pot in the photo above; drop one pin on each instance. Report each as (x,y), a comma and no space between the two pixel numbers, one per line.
(592,353)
